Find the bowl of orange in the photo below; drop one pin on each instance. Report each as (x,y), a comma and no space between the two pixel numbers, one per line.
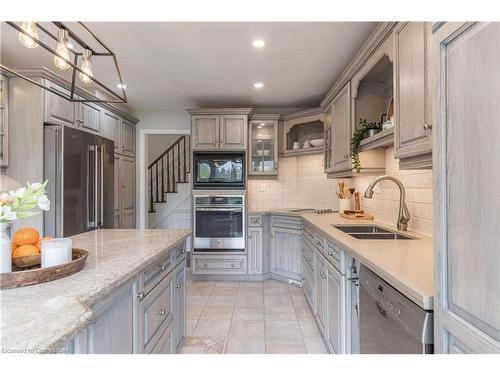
(26,247)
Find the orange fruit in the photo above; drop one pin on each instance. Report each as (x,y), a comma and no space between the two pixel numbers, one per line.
(39,243)
(13,247)
(26,250)
(26,236)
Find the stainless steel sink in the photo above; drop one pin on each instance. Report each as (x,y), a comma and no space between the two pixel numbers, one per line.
(371,232)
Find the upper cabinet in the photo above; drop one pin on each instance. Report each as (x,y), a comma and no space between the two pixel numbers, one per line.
(111,128)
(88,116)
(4,121)
(413,94)
(57,109)
(127,138)
(263,145)
(341,130)
(303,133)
(219,128)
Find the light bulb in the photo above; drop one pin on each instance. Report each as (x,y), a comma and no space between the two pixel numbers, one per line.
(62,50)
(30,28)
(86,67)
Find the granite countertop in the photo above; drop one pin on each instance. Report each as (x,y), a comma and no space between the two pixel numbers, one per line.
(44,316)
(405,264)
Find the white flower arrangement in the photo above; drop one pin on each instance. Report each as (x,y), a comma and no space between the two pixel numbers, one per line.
(20,203)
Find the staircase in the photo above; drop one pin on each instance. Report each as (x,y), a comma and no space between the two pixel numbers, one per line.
(168,170)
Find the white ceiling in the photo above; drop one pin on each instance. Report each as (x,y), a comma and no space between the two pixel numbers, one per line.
(183,65)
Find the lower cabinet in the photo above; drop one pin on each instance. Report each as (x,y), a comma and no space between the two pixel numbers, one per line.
(124,206)
(336,310)
(219,264)
(325,289)
(321,293)
(254,250)
(133,319)
(286,254)
(113,330)
(179,331)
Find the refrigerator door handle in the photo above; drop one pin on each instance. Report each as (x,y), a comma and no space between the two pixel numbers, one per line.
(101,186)
(90,160)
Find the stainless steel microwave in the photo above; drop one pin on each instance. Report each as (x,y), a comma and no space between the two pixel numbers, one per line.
(218,170)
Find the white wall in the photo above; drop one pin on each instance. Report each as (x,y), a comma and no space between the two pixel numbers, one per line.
(157,144)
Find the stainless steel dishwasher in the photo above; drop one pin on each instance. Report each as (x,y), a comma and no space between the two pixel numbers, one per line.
(389,323)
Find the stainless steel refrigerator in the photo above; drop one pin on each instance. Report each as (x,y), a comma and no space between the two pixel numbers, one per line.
(80,169)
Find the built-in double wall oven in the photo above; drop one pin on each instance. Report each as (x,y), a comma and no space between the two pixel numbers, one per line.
(219,223)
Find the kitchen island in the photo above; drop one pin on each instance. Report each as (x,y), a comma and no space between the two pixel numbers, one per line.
(128,273)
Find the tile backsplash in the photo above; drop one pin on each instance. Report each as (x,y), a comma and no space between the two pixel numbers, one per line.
(301,183)
(384,205)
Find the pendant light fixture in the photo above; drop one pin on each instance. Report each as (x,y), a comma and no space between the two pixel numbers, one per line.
(86,67)
(29,27)
(62,50)
(67,56)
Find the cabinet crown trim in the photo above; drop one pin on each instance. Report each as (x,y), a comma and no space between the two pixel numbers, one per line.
(220,111)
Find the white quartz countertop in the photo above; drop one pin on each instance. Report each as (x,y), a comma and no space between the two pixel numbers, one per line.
(405,264)
(44,316)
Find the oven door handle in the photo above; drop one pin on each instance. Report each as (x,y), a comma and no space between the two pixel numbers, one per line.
(219,209)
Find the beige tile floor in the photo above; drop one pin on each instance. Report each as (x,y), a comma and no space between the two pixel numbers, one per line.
(249,318)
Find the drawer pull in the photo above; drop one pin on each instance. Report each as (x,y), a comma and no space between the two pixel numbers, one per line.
(232,265)
(140,295)
(204,264)
(162,312)
(162,267)
(178,285)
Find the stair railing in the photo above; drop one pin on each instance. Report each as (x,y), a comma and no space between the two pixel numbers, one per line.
(168,170)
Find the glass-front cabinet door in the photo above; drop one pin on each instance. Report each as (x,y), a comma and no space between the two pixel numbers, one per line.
(263,148)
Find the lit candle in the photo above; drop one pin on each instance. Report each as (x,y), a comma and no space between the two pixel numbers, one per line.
(57,251)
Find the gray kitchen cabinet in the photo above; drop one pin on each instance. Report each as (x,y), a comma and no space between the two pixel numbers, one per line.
(113,330)
(466,304)
(88,116)
(286,254)
(263,145)
(219,128)
(336,322)
(341,130)
(127,143)
(110,128)
(117,191)
(4,121)
(233,132)
(205,130)
(156,313)
(413,97)
(57,109)
(328,152)
(255,250)
(124,191)
(321,292)
(180,307)
(165,344)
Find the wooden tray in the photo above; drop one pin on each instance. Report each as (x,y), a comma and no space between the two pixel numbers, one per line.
(39,275)
(356,216)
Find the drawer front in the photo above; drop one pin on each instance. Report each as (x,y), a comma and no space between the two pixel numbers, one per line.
(156,272)
(178,253)
(156,313)
(308,272)
(165,343)
(254,220)
(319,242)
(308,233)
(336,256)
(287,222)
(236,264)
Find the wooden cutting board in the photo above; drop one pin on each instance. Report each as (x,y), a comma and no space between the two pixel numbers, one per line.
(358,216)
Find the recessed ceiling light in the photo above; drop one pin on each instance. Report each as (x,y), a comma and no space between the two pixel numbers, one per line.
(258,85)
(120,86)
(262,124)
(258,43)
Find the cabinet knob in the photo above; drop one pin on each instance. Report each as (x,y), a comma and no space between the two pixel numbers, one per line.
(140,295)
(204,264)
(427,127)
(232,265)
(330,252)
(162,312)
(178,285)
(162,267)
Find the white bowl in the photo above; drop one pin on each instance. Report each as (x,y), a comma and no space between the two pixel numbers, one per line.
(317,142)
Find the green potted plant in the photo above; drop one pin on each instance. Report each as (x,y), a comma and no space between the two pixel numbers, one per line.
(366,128)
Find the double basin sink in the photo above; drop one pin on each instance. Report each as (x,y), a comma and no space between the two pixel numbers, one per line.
(371,232)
